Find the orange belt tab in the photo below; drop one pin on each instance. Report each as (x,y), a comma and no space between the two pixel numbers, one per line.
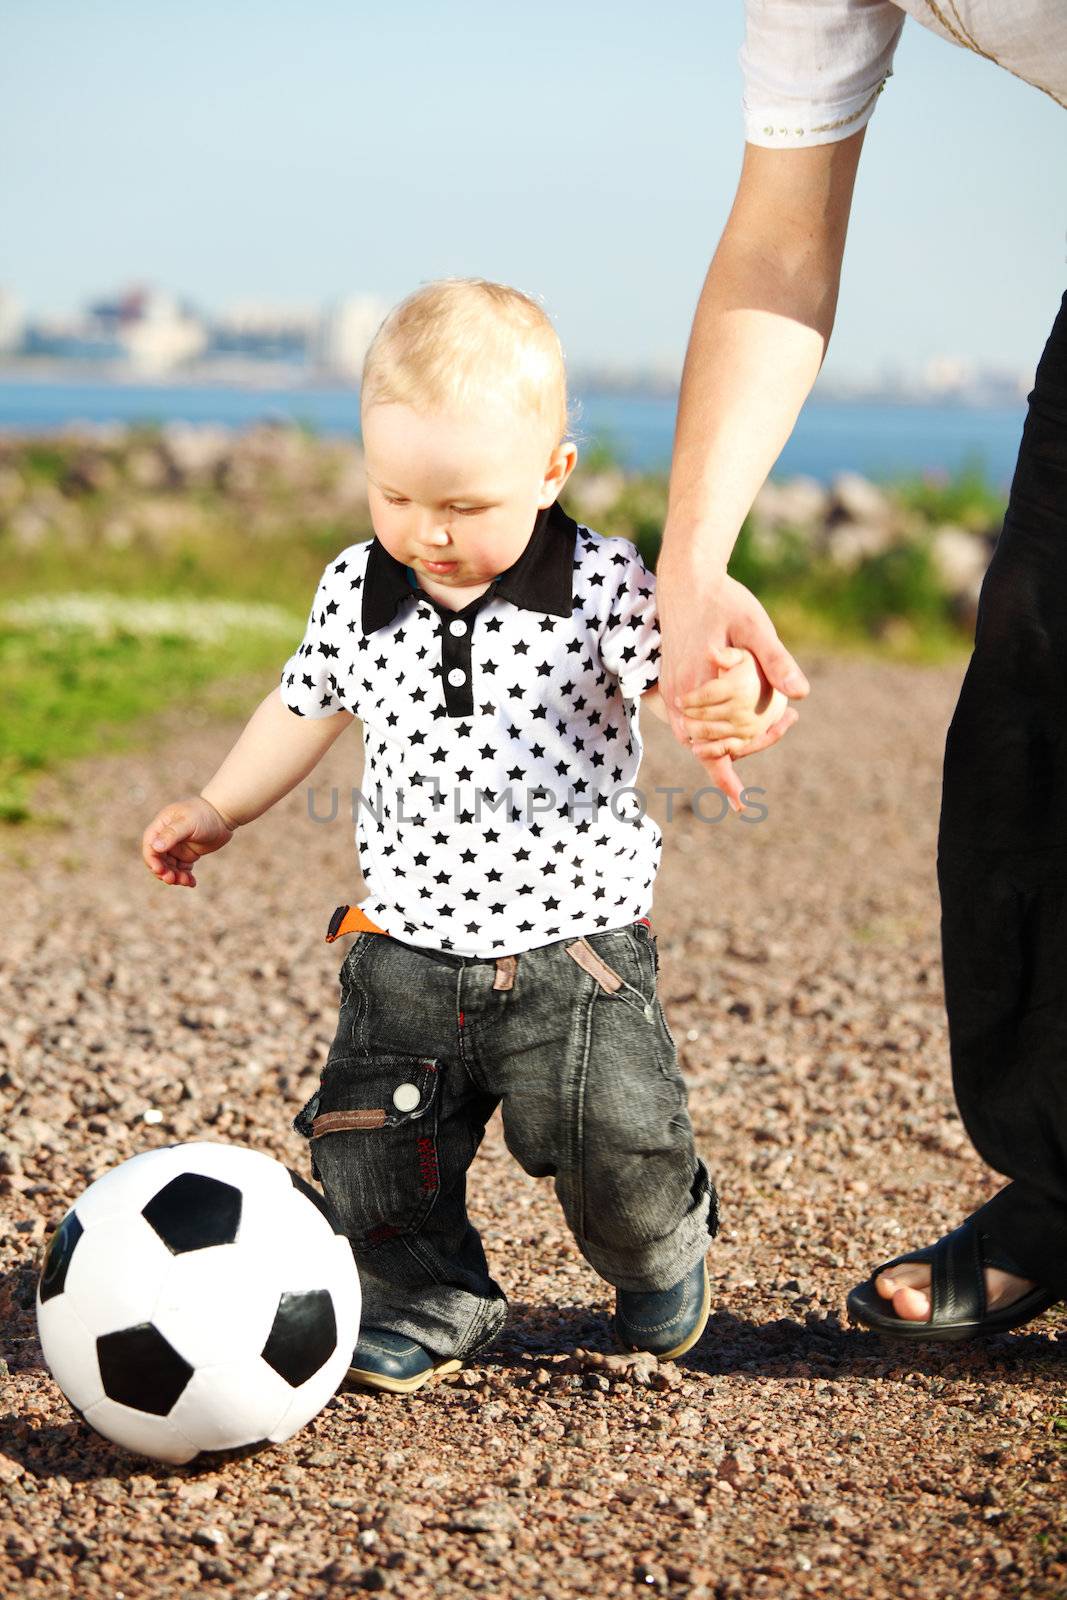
(350,919)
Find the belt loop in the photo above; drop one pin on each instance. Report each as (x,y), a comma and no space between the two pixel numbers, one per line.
(505,972)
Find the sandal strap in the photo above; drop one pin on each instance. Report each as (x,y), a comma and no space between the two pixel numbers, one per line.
(994,1255)
(957,1279)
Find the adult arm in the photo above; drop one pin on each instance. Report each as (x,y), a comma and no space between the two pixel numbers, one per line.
(759,337)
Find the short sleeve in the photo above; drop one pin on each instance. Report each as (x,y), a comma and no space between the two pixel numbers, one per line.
(312,680)
(812,70)
(629,640)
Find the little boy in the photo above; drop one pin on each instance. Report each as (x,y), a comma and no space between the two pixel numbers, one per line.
(496,653)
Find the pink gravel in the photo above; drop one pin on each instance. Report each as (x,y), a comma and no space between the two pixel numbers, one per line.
(787,1454)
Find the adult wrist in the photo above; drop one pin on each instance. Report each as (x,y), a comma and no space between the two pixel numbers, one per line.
(695,550)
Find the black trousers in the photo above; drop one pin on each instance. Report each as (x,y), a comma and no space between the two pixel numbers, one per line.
(1002,851)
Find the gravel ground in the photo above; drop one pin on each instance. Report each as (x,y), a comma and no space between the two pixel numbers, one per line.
(787,1454)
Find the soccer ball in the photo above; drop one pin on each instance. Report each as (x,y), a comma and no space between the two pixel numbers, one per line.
(198,1297)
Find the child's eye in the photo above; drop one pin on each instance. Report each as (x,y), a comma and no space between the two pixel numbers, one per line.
(395,500)
(468,511)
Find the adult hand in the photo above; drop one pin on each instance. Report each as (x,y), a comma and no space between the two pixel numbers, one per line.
(698,613)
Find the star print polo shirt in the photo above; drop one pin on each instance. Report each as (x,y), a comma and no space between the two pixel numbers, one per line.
(499,807)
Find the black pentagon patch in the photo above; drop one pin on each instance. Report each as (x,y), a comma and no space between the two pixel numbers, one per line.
(304,1335)
(319,1201)
(57,1256)
(193,1212)
(140,1369)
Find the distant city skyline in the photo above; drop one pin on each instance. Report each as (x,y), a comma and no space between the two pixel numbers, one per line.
(300,158)
(140,330)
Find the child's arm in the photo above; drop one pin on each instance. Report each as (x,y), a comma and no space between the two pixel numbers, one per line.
(276,750)
(653,700)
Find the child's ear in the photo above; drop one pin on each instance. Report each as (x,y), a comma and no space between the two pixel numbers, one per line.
(561,464)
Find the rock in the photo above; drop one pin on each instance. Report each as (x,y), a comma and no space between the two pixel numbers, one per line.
(490,1518)
(800,502)
(854,498)
(849,544)
(195,452)
(596,493)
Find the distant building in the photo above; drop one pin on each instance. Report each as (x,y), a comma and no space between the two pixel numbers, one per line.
(947,375)
(69,339)
(347,330)
(261,331)
(157,334)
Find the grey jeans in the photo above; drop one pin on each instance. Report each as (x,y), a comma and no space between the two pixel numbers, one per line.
(571,1042)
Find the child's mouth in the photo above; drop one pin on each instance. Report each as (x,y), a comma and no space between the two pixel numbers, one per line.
(440,566)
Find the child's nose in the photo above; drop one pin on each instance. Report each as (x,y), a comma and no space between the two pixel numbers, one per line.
(433,534)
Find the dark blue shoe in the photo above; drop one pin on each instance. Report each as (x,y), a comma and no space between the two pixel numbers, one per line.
(665,1322)
(385,1360)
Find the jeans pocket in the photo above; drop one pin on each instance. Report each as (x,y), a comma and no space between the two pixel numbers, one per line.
(608,957)
(372,1128)
(644,940)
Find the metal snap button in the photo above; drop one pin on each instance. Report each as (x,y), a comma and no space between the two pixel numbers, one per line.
(406,1097)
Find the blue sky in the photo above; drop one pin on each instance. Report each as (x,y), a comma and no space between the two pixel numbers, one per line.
(295,152)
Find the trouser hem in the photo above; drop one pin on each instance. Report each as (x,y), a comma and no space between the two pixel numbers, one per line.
(661,1263)
(1031,1230)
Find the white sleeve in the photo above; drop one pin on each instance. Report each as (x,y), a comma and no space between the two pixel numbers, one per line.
(812,70)
(629,640)
(315,680)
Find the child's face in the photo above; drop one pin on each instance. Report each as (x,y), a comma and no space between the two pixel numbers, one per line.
(460,486)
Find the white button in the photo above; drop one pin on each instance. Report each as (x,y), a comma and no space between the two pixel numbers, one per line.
(406,1097)
(457,626)
(457,675)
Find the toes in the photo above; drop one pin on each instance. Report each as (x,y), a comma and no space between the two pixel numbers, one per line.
(911,1304)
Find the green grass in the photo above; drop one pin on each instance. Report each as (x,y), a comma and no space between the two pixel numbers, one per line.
(967,499)
(75,685)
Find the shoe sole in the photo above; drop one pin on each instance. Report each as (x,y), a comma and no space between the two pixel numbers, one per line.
(375,1380)
(864,1312)
(691,1337)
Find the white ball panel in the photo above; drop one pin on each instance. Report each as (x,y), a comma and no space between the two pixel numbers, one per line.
(289,1227)
(343,1279)
(225,1407)
(302,1252)
(310,1398)
(218,1305)
(115,1274)
(137,1431)
(127,1187)
(69,1351)
(257,1175)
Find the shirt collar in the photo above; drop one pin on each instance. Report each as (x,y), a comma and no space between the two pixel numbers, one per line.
(542,579)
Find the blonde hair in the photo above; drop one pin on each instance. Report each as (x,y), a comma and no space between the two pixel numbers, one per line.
(459,339)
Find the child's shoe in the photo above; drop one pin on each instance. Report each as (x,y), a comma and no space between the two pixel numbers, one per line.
(384,1360)
(665,1322)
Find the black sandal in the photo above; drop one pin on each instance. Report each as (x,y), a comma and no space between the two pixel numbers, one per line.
(957,1292)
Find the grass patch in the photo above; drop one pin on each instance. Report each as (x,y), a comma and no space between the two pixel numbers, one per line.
(80,670)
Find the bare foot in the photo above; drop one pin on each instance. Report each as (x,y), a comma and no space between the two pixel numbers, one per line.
(908,1287)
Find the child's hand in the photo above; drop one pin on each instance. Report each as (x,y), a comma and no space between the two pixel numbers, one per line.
(734,708)
(179,835)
